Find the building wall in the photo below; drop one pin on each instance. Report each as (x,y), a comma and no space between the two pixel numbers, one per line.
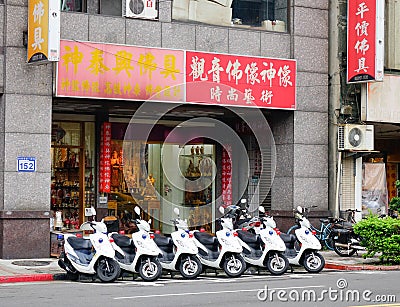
(26,105)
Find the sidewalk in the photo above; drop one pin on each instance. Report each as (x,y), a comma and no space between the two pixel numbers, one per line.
(27,270)
(355,262)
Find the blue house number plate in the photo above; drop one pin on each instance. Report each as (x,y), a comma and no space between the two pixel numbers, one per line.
(26,164)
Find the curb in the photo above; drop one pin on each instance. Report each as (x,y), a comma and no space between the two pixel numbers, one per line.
(343,267)
(32,278)
(26,278)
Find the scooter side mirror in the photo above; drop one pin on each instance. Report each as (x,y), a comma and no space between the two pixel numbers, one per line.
(149,221)
(299,209)
(176,211)
(137,210)
(243,201)
(261,209)
(221,210)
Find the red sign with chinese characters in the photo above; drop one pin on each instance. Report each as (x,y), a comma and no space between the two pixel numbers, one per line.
(109,71)
(234,80)
(105,156)
(364,42)
(227,176)
(124,72)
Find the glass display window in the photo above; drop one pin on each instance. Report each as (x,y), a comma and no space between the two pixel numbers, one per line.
(72,172)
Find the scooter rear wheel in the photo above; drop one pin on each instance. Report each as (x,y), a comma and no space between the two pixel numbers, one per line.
(190,267)
(234,265)
(313,262)
(108,270)
(277,264)
(150,269)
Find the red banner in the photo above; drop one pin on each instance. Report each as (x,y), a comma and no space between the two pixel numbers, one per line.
(364,40)
(224,79)
(105,156)
(227,175)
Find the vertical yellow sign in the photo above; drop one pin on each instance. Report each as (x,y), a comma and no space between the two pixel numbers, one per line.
(43,31)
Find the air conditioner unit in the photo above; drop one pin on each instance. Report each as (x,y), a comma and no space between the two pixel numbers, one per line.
(145,9)
(356,137)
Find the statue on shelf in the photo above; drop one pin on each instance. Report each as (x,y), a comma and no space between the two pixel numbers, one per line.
(116,170)
(149,192)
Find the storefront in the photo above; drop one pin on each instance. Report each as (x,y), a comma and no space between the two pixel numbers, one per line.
(156,153)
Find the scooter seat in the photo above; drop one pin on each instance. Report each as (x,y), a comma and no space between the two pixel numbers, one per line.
(79,243)
(248,237)
(288,238)
(205,238)
(121,240)
(162,240)
(324,220)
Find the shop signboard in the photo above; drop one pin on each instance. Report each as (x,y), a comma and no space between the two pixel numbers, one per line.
(122,72)
(365,40)
(43,31)
(225,79)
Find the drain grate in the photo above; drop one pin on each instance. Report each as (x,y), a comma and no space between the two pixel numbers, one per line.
(30,263)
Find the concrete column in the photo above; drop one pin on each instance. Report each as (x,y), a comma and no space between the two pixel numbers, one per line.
(25,131)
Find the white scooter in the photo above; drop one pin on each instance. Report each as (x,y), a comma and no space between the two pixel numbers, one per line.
(138,254)
(179,252)
(302,247)
(222,251)
(265,248)
(93,255)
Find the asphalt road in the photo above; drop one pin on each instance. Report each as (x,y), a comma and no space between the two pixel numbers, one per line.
(328,288)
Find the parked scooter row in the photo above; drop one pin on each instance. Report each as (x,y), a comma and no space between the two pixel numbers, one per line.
(300,249)
(259,243)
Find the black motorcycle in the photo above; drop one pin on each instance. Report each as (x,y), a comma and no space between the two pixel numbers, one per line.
(345,242)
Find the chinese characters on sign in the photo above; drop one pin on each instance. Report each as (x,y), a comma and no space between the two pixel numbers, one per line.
(137,73)
(120,72)
(227,175)
(43,31)
(365,41)
(240,81)
(105,159)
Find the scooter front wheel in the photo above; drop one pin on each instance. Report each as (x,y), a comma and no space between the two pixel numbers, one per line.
(313,262)
(190,267)
(150,269)
(277,264)
(108,270)
(234,265)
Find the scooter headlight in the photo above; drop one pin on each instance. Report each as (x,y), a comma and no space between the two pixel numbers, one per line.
(228,233)
(271,232)
(307,232)
(144,236)
(60,237)
(183,235)
(101,240)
